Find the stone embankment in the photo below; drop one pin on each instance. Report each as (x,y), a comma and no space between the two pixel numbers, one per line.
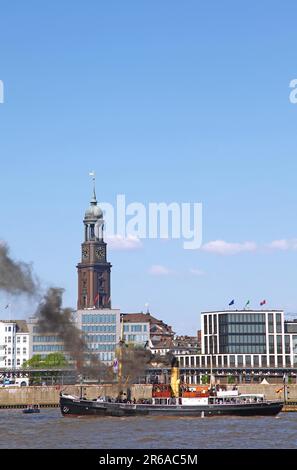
(18,397)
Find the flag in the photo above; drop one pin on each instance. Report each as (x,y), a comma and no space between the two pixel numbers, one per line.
(92,173)
(115,366)
(96,299)
(6,306)
(232,303)
(248,303)
(263,303)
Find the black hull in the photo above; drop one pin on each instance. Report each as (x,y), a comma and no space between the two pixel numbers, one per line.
(70,407)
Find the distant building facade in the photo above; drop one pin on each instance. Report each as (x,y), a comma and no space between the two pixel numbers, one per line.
(14,343)
(41,343)
(146,330)
(246,343)
(247,338)
(101,331)
(136,329)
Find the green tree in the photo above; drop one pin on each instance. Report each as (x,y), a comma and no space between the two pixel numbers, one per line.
(36,362)
(50,361)
(55,360)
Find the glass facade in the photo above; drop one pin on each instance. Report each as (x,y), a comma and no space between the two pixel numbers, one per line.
(99,328)
(270,323)
(100,333)
(242,333)
(48,348)
(90,319)
(278,323)
(46,339)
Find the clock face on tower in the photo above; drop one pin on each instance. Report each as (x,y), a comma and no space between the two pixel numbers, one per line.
(85,253)
(100,252)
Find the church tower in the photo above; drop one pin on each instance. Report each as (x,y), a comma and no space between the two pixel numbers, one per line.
(94,290)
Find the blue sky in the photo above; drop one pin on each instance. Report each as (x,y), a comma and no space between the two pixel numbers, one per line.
(166,101)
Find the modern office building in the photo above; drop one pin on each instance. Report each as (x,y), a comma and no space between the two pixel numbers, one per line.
(101,331)
(254,338)
(247,343)
(41,343)
(14,343)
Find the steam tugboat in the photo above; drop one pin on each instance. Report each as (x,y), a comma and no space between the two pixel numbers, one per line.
(175,400)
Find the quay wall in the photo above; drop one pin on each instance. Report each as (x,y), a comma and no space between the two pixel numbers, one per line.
(49,395)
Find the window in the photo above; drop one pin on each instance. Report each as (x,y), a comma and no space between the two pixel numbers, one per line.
(215,324)
(288,361)
(24,350)
(248,360)
(9,339)
(270,323)
(18,350)
(256,361)
(279,345)
(280,361)
(240,361)
(210,324)
(287,344)
(18,362)
(24,339)
(205,325)
(18,339)
(278,323)
(271,344)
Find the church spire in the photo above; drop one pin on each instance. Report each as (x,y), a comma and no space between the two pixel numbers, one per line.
(94,271)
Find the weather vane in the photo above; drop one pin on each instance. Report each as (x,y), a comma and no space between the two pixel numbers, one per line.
(93,175)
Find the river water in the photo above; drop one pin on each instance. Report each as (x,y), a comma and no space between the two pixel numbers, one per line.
(50,430)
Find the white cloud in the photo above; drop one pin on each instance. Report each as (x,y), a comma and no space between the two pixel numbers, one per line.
(119,243)
(283,244)
(158,270)
(196,272)
(224,248)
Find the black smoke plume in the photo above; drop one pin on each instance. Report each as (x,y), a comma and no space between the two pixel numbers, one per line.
(16,277)
(54,319)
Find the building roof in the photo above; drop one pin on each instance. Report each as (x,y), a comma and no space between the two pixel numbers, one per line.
(165,343)
(243,311)
(143,318)
(22,326)
(136,318)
